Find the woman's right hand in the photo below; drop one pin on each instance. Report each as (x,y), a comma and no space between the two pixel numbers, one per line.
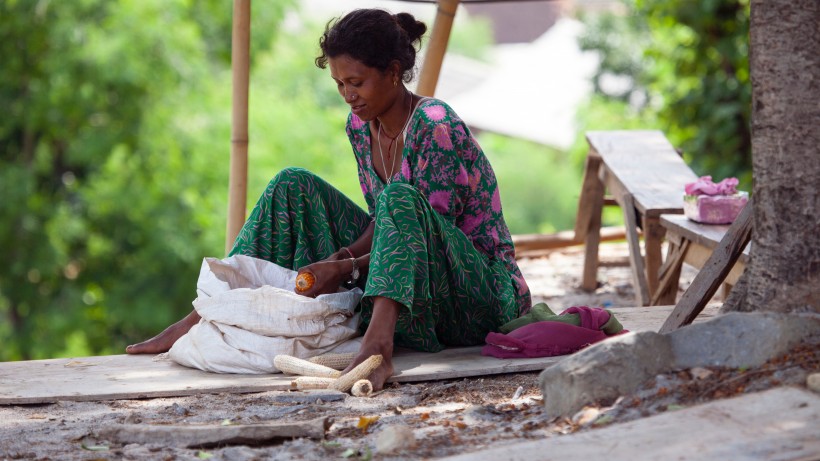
(329,276)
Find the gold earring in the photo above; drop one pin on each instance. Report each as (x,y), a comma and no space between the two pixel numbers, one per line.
(395,81)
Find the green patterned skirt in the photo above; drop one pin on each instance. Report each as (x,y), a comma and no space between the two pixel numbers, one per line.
(452,294)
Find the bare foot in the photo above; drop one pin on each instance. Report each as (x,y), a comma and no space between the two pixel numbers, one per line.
(163,341)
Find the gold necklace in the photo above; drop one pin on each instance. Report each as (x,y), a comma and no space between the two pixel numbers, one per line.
(389,177)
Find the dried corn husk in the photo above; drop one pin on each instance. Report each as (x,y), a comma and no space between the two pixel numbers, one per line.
(295,366)
(362,388)
(304,383)
(362,371)
(335,361)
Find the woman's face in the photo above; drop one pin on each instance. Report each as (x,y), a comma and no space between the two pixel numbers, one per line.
(368,91)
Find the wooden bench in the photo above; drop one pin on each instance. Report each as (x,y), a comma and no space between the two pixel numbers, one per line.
(691,243)
(645,177)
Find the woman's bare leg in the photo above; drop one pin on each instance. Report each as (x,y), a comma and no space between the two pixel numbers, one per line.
(163,341)
(378,339)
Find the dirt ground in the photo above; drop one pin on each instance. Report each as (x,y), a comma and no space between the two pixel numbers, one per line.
(444,417)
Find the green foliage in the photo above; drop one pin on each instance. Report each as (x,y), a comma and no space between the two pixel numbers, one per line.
(686,63)
(539,186)
(109,202)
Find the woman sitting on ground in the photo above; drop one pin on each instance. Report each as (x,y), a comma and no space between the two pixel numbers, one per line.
(432,253)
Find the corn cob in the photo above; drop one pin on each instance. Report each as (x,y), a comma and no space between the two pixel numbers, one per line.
(303,383)
(335,361)
(362,371)
(294,366)
(362,388)
(304,281)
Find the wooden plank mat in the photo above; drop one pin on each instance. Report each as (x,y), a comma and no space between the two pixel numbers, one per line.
(117,377)
(778,424)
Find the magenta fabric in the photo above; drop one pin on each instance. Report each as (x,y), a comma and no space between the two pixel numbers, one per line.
(705,186)
(549,338)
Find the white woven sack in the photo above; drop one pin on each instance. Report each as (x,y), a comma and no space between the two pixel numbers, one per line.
(250,314)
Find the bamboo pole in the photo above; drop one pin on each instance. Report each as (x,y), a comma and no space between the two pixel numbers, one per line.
(240,66)
(439,37)
(563,239)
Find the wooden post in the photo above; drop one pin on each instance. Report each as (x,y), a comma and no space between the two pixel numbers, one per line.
(240,66)
(439,37)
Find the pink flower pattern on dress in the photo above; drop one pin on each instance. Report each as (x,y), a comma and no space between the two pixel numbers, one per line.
(435,113)
(474,180)
(355,122)
(463,178)
(471,222)
(440,200)
(442,136)
(496,201)
(405,170)
(423,164)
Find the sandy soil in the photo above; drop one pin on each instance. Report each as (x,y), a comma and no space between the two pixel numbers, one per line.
(444,417)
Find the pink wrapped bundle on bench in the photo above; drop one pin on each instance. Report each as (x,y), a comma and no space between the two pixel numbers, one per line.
(713,203)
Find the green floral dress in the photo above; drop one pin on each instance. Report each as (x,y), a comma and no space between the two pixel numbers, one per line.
(441,247)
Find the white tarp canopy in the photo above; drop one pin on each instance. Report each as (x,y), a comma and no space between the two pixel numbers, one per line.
(533,90)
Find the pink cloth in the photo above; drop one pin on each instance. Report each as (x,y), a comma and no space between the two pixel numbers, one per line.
(549,338)
(705,186)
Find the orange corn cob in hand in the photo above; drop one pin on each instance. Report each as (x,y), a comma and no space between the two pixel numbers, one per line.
(304,281)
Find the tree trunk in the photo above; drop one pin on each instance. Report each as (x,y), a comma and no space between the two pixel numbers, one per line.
(784,273)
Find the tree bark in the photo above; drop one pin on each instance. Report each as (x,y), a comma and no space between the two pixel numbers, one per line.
(784,273)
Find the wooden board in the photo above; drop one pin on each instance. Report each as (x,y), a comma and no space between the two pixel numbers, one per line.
(206,435)
(707,235)
(780,424)
(117,377)
(644,164)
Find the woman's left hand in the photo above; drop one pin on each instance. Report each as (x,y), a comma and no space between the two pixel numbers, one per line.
(329,275)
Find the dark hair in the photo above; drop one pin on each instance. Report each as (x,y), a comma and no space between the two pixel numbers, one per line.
(374,37)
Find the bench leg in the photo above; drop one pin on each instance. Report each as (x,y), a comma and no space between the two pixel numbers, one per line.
(635,259)
(725,289)
(670,274)
(653,234)
(588,223)
(589,282)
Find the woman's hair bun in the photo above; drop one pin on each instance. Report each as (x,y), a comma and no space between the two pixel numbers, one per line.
(415,29)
